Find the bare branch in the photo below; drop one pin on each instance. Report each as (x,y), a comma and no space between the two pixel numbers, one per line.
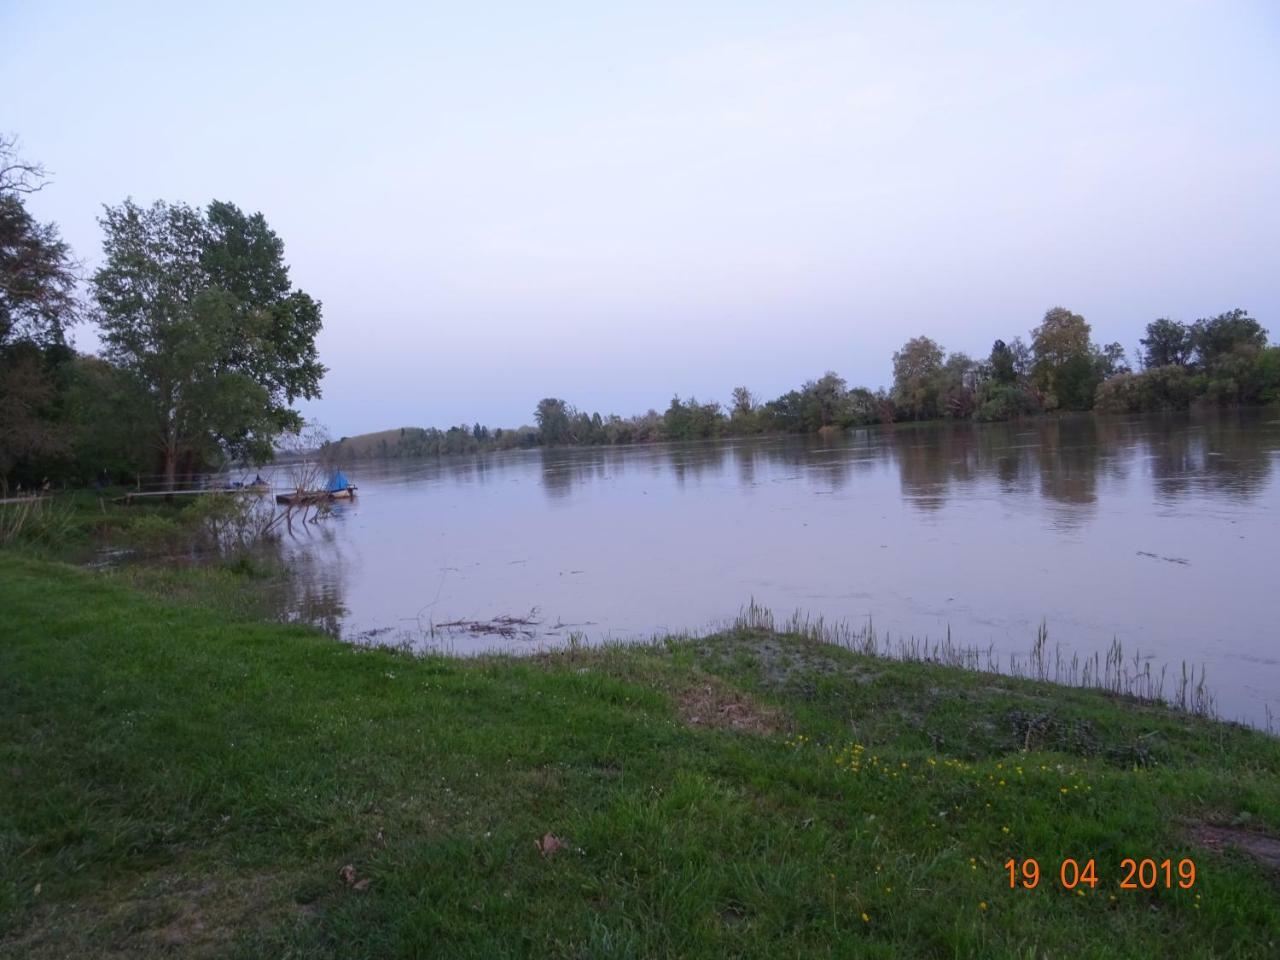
(19,176)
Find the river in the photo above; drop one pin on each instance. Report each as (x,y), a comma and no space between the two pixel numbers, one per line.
(1159,532)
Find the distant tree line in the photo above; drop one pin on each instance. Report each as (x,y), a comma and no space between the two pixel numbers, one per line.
(1220,360)
(206,344)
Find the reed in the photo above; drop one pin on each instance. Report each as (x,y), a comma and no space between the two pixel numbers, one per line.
(1112,671)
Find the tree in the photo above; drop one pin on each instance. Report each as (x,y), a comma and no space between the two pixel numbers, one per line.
(744,403)
(245,258)
(37,306)
(691,420)
(958,382)
(825,401)
(915,377)
(198,308)
(1110,360)
(1002,362)
(37,276)
(1167,343)
(553,417)
(1215,338)
(1063,366)
(1023,359)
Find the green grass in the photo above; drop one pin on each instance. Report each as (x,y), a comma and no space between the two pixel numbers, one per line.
(180,781)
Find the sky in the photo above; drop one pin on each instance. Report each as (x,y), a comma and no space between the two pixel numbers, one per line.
(615,203)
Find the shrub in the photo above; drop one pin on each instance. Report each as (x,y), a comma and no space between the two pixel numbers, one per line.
(1160,388)
(1003,401)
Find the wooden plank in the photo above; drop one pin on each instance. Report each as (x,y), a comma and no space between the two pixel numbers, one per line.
(259,491)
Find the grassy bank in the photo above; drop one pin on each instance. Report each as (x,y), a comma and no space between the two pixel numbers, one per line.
(177,780)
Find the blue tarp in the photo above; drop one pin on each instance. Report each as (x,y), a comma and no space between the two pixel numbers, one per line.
(338,481)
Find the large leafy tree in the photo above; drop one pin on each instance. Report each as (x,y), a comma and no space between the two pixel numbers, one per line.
(37,305)
(198,307)
(1064,369)
(826,401)
(554,418)
(1002,364)
(1167,344)
(916,369)
(1213,339)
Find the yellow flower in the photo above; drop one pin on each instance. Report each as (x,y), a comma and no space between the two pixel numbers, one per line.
(1004,829)
(982,905)
(865,918)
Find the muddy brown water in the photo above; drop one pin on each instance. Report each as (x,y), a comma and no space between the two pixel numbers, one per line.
(1160,532)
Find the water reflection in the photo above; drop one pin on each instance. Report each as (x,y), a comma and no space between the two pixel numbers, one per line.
(1064,458)
(981,529)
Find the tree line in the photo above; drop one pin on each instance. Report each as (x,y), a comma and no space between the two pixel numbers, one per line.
(206,343)
(1219,360)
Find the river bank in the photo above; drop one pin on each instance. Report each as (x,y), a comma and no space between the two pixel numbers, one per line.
(181,777)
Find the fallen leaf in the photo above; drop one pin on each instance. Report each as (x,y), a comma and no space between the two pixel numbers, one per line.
(348,874)
(549,845)
(361,884)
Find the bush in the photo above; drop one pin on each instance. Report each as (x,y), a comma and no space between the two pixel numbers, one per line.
(1267,370)
(1003,401)
(1157,389)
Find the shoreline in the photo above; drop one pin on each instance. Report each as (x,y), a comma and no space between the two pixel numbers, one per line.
(185,777)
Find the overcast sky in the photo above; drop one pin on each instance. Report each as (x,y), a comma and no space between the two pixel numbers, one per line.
(617,202)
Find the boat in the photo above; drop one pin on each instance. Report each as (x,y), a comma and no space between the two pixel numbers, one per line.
(338,488)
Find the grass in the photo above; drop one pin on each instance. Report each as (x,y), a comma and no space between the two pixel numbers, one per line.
(181,779)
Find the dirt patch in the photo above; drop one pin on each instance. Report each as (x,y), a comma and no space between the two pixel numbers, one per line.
(1257,846)
(709,702)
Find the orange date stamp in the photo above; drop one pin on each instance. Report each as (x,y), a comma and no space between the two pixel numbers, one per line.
(1145,874)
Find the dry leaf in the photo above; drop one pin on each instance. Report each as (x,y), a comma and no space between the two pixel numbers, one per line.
(549,845)
(361,884)
(348,874)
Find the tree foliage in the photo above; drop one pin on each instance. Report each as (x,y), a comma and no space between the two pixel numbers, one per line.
(1063,367)
(1214,339)
(915,378)
(1167,344)
(198,308)
(37,306)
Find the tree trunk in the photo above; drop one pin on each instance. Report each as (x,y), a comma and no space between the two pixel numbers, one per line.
(170,444)
(170,466)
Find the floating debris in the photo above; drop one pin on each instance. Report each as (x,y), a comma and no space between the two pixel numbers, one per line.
(1155,556)
(507,627)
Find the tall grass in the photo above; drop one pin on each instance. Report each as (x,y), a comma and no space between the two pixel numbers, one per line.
(34,520)
(1113,671)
